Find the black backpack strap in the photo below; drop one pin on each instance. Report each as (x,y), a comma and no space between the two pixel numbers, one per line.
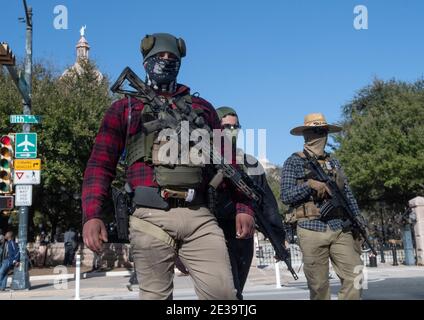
(130,105)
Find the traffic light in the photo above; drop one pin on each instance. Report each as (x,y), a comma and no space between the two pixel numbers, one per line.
(6,158)
(7,58)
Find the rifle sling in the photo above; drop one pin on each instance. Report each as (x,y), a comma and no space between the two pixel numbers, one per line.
(153,230)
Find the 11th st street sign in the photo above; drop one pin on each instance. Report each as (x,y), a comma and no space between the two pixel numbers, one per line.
(25,119)
(26,146)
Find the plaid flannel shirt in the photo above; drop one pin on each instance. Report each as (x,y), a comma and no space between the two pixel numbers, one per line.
(110,144)
(293,193)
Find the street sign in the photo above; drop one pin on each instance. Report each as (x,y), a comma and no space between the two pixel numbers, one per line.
(26,177)
(23,196)
(25,119)
(26,145)
(27,164)
(6,203)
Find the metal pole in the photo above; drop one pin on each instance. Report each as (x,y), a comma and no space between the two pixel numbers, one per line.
(383,237)
(394,252)
(21,277)
(383,260)
(77,277)
(382,226)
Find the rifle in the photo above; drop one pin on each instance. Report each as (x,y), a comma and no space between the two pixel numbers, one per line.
(171,118)
(255,192)
(338,200)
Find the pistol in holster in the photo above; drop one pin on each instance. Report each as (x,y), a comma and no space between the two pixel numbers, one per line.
(123,209)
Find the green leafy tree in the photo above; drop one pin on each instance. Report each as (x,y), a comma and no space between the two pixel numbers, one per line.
(273,177)
(382,145)
(72,107)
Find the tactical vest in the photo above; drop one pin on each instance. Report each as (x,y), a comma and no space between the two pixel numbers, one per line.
(146,148)
(309,209)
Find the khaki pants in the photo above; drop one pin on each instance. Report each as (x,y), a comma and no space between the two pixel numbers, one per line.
(344,252)
(203,251)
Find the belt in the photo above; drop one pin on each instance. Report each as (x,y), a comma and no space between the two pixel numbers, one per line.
(181,203)
(150,197)
(182,198)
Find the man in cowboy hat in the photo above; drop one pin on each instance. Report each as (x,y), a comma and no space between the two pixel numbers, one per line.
(320,239)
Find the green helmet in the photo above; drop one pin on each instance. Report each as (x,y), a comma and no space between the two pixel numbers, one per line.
(162,42)
(225,111)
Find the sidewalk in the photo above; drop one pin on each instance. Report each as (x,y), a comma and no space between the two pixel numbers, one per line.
(58,272)
(112,284)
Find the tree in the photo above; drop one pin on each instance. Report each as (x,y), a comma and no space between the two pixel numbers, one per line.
(72,108)
(273,177)
(382,145)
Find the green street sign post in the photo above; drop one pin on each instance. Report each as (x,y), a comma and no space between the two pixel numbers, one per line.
(25,119)
(26,146)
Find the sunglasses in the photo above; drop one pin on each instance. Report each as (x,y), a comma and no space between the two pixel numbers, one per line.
(231,126)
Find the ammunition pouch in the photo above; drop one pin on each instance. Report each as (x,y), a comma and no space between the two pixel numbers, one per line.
(330,210)
(303,212)
(178,176)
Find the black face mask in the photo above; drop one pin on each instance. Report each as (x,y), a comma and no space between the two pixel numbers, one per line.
(162,71)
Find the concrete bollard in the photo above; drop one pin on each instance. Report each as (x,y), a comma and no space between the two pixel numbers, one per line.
(277,275)
(77,277)
(373,261)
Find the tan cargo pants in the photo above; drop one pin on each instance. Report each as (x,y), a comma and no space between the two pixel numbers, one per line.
(344,252)
(203,251)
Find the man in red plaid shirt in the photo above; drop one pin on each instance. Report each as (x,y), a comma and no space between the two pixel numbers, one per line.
(186,227)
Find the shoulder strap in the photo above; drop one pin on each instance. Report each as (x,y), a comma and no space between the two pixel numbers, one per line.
(300,154)
(128,133)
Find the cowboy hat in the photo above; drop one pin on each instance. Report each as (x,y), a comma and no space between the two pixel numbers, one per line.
(315,120)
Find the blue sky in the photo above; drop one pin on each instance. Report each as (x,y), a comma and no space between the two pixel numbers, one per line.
(272,60)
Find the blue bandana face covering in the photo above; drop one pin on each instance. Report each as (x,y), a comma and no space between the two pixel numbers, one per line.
(162,71)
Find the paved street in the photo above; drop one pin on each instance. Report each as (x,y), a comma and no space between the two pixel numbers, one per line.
(383,283)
